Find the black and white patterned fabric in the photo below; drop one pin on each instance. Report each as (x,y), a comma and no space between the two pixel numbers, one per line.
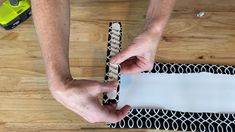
(112,71)
(161,118)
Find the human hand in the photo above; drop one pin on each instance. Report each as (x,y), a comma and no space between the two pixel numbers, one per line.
(140,54)
(80,96)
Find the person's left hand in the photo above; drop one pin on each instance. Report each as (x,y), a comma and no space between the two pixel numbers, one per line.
(140,54)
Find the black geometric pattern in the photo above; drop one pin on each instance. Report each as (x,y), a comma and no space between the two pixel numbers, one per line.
(175,120)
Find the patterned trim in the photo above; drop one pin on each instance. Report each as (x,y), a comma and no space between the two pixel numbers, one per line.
(112,71)
(191,68)
(169,119)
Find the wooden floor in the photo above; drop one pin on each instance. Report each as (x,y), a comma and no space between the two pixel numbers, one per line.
(27,105)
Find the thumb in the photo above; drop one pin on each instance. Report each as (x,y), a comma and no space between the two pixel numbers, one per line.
(109,86)
(122,56)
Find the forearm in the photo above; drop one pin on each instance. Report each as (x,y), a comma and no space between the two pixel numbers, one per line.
(158,14)
(52,23)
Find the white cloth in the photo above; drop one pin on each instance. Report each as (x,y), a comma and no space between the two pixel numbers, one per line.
(192,92)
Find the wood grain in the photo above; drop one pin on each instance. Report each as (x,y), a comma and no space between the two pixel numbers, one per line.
(26,103)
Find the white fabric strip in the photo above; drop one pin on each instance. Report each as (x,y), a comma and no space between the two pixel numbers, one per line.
(194,92)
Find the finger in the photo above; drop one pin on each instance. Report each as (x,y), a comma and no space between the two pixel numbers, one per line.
(132,69)
(103,114)
(136,65)
(108,86)
(111,106)
(123,55)
(130,66)
(118,115)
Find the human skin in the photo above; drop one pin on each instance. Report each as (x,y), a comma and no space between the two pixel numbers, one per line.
(52,24)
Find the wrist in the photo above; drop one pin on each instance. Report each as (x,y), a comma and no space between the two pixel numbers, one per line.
(154,26)
(58,81)
(154,31)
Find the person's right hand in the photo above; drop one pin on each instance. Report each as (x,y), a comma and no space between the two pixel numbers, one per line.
(81,96)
